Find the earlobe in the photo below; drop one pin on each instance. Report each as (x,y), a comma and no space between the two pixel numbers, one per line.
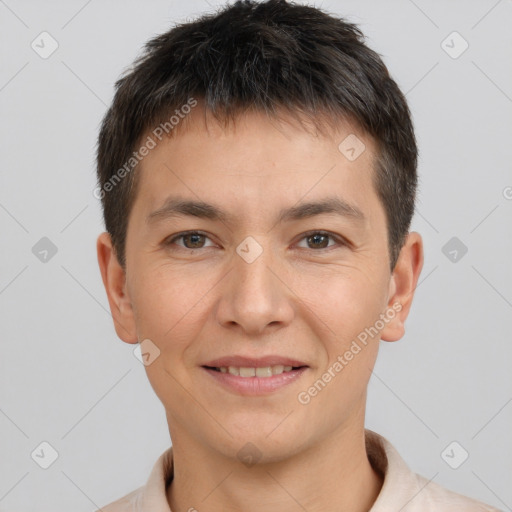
(402,286)
(114,281)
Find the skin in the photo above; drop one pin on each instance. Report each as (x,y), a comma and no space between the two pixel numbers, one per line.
(298,299)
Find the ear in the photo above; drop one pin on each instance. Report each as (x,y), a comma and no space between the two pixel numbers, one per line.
(114,280)
(402,286)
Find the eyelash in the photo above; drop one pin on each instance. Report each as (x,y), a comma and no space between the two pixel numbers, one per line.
(336,238)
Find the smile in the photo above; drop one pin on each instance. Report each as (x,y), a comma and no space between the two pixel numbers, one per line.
(261,380)
(263,371)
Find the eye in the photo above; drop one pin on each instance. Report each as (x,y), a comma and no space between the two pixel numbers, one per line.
(320,239)
(191,240)
(196,240)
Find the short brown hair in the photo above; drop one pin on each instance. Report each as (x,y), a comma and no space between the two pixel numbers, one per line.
(271,56)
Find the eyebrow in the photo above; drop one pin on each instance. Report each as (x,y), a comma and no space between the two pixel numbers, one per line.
(178,207)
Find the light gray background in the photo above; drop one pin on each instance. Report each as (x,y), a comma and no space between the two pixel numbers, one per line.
(65,377)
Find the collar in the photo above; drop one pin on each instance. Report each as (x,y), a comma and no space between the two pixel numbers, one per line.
(401,490)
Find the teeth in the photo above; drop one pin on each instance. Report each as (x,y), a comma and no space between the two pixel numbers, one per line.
(265,371)
(279,368)
(247,372)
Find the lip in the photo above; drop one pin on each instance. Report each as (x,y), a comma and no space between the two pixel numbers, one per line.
(250,362)
(254,385)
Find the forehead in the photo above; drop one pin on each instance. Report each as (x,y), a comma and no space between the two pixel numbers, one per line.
(256,164)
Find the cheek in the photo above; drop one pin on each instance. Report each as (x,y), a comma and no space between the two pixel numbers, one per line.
(347,307)
(349,302)
(168,306)
(170,313)
(350,307)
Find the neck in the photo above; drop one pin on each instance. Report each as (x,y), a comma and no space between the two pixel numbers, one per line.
(329,476)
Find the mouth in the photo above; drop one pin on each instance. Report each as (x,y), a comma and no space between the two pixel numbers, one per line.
(263,372)
(256,379)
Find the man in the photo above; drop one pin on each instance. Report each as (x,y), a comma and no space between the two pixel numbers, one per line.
(257,171)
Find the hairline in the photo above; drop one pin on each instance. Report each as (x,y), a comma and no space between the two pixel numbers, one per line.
(283,114)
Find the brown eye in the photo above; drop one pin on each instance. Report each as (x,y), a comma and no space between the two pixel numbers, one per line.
(194,239)
(320,240)
(191,240)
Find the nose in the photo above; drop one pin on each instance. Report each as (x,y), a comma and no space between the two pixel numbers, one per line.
(254,295)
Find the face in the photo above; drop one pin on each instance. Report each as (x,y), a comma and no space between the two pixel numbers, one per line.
(263,281)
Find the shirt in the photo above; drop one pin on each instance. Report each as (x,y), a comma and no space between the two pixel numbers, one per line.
(402,489)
